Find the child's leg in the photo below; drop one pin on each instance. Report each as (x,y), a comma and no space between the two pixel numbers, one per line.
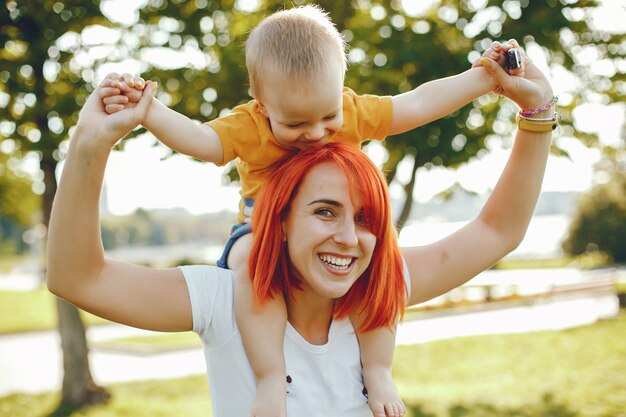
(376,356)
(262,330)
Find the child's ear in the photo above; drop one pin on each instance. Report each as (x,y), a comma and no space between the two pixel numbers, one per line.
(262,108)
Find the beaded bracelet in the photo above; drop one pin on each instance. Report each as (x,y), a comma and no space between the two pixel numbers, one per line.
(545,107)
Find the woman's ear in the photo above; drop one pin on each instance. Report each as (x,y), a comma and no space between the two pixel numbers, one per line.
(283,229)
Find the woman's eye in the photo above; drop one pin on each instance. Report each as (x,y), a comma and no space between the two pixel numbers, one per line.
(330,117)
(361,219)
(323,212)
(294,125)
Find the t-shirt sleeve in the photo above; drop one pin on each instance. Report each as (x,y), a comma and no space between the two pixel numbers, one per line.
(407,280)
(210,292)
(237,131)
(372,114)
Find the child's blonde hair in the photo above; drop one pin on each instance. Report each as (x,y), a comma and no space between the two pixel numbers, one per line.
(295,44)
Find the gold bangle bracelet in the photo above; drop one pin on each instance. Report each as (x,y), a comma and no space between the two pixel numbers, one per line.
(538,125)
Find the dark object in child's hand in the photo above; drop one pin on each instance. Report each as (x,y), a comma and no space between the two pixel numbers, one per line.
(513,59)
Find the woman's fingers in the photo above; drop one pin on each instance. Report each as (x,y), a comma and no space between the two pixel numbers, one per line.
(112,99)
(498,74)
(495,52)
(123,121)
(115,103)
(115,99)
(106,92)
(528,91)
(113,108)
(526,85)
(111,78)
(109,82)
(130,86)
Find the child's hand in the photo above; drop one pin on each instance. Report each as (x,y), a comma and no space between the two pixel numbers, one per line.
(527,86)
(124,91)
(132,87)
(497,52)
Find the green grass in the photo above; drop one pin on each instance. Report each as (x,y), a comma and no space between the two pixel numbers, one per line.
(586,261)
(23,311)
(175,397)
(506,264)
(152,343)
(576,372)
(9,261)
(572,373)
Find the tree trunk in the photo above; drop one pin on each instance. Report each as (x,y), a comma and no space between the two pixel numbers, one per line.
(78,388)
(408,202)
(390,167)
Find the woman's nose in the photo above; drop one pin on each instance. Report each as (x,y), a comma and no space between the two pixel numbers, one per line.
(346,233)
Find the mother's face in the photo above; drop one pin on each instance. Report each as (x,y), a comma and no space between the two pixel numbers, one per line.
(329,243)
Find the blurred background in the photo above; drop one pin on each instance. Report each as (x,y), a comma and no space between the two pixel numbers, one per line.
(539,334)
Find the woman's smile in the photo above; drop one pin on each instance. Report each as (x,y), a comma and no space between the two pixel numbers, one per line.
(329,244)
(337,264)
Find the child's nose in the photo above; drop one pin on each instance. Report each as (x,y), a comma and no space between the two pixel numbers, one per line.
(317,132)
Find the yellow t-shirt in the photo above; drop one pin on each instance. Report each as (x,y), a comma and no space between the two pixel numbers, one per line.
(246,136)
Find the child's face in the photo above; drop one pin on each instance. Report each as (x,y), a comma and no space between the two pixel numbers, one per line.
(301,116)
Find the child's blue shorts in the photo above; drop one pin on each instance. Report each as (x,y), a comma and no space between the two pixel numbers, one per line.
(237,231)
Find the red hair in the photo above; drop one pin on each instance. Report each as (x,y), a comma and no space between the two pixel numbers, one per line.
(381,291)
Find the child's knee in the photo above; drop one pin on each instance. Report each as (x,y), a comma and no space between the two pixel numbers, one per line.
(239,254)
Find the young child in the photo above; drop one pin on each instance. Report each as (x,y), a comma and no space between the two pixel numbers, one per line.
(296,62)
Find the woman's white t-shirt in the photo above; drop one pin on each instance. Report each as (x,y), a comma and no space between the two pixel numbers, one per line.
(325,380)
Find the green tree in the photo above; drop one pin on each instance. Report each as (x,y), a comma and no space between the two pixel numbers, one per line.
(393,49)
(599,223)
(19,205)
(406,48)
(45,76)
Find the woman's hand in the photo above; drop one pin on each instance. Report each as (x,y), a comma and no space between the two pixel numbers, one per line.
(527,86)
(130,88)
(97,127)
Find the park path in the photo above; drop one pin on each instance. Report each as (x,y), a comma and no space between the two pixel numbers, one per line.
(32,362)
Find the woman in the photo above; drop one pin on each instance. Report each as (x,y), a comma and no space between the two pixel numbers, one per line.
(326,235)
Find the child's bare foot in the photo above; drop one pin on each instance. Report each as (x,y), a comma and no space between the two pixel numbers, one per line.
(382,395)
(270,399)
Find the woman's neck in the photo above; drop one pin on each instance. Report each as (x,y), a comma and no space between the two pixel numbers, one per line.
(310,316)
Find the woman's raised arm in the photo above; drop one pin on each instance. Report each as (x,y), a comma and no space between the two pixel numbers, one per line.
(77,269)
(502,223)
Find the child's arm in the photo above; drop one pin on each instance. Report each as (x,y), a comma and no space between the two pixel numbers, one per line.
(183,134)
(435,99)
(172,128)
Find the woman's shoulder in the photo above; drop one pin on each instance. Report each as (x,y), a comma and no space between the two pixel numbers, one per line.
(208,279)
(204,271)
(211,291)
